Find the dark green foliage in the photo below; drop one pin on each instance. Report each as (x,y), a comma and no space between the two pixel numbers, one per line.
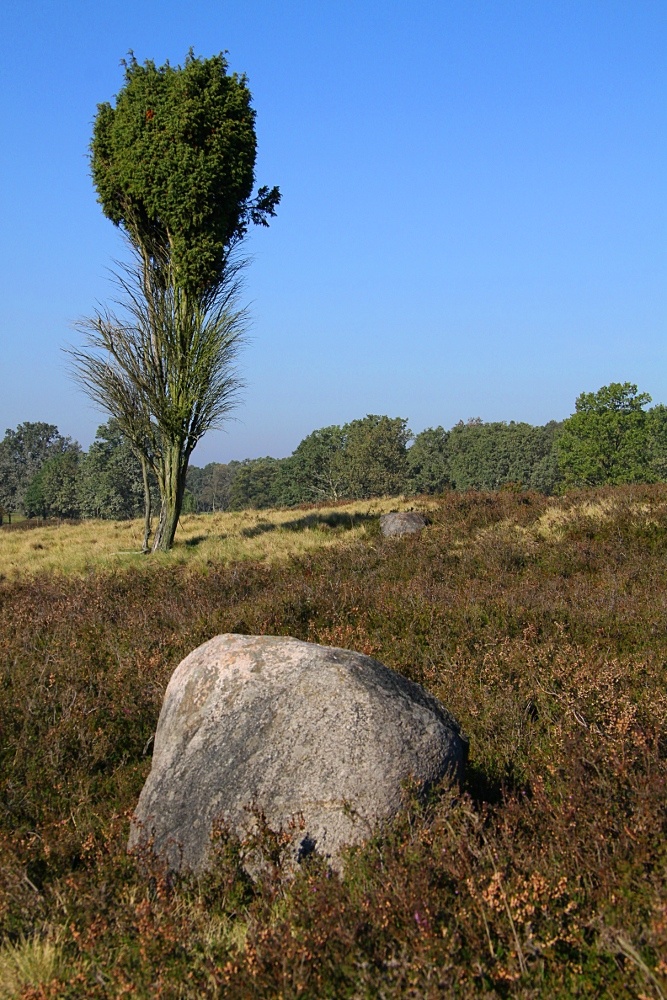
(104,483)
(111,483)
(428,462)
(606,441)
(34,501)
(375,456)
(53,491)
(542,471)
(23,452)
(545,876)
(371,457)
(617,397)
(211,486)
(189,505)
(365,458)
(656,432)
(173,163)
(257,483)
(315,470)
(486,456)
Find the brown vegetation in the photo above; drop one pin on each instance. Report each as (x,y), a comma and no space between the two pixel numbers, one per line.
(540,623)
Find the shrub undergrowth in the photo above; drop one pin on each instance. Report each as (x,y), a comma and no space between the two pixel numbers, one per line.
(540,623)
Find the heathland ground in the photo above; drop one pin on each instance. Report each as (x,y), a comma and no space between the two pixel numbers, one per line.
(540,622)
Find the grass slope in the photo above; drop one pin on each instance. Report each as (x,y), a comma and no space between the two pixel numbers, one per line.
(202,539)
(540,623)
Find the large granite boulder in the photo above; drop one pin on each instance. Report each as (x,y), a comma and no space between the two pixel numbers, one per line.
(292,729)
(405,522)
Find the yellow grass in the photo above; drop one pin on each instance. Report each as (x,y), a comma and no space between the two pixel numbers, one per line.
(202,539)
(555,519)
(28,962)
(552,524)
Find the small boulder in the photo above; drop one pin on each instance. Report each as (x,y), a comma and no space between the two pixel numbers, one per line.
(406,522)
(292,729)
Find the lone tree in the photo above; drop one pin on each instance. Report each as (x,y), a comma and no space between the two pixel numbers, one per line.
(173,164)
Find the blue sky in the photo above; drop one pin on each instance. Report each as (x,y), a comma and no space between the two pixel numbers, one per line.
(474,213)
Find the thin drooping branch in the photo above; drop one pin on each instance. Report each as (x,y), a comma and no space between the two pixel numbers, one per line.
(163,365)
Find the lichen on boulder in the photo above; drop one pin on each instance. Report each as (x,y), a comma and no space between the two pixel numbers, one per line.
(291,729)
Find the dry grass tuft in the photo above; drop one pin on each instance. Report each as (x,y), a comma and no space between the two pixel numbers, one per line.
(29,962)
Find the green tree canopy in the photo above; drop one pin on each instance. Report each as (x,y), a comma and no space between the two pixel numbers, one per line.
(53,491)
(428,462)
(486,456)
(617,397)
(23,452)
(605,441)
(258,483)
(656,431)
(315,470)
(174,166)
(375,456)
(211,486)
(110,476)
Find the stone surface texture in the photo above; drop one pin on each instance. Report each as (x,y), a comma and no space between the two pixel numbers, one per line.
(291,728)
(406,522)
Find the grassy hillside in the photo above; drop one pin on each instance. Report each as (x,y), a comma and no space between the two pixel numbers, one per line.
(202,539)
(540,623)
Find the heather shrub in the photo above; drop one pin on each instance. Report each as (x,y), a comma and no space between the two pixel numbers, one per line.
(541,623)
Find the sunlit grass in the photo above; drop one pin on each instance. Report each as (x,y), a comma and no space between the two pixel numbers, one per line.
(557,518)
(561,516)
(201,539)
(28,962)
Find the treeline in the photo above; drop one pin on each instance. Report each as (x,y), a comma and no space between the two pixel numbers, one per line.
(43,474)
(612,438)
(379,456)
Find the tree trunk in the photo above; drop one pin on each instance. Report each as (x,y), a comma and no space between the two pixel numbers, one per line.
(173,469)
(147,505)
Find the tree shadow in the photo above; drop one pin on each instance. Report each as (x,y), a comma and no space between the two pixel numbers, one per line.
(192,543)
(337,520)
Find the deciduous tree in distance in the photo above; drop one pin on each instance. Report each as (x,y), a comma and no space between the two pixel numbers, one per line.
(23,452)
(605,441)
